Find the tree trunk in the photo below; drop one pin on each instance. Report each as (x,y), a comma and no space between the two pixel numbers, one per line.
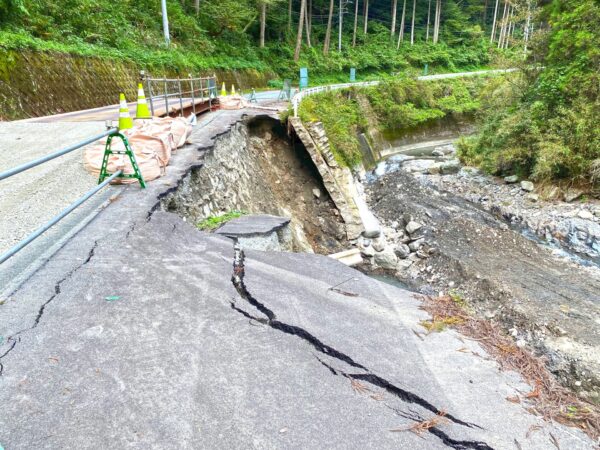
(438,17)
(366,15)
(355,23)
(394,8)
(307,24)
(402,21)
(328,32)
(341,24)
(493,33)
(428,21)
(511,27)
(503,25)
(197,7)
(309,12)
(289,16)
(412,28)
(435,20)
(300,27)
(484,14)
(526,31)
(263,22)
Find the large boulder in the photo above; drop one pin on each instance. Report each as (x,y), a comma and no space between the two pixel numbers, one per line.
(450,167)
(527,186)
(386,259)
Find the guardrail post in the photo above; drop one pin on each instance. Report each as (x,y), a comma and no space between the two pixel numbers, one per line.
(192,91)
(149,85)
(166,96)
(180,97)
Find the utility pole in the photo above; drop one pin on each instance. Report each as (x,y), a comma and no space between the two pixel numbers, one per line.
(165,20)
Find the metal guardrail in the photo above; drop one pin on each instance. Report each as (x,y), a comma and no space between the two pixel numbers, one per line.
(297,98)
(180,90)
(16,170)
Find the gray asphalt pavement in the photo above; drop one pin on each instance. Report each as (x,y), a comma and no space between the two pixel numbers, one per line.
(134,336)
(31,198)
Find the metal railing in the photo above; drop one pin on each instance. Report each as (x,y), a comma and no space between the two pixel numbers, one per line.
(41,230)
(180,91)
(297,98)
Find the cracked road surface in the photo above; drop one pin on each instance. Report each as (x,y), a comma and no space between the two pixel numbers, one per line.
(203,346)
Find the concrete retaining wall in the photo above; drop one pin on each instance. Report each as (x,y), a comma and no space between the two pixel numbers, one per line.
(36,84)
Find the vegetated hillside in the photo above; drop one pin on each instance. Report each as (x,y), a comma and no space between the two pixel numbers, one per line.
(547,126)
(226,34)
(396,105)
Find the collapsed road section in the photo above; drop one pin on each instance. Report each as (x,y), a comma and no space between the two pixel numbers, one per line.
(140,346)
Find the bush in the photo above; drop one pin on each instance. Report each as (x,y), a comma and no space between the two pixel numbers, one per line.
(396,105)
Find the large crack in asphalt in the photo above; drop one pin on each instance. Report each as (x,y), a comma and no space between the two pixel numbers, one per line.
(13,339)
(270,320)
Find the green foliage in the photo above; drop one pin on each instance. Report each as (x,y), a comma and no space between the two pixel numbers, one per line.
(545,126)
(225,32)
(397,105)
(214,222)
(342,119)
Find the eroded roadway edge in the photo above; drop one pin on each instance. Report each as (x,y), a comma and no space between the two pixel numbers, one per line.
(206,348)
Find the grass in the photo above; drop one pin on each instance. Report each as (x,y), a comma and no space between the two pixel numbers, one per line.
(397,104)
(213,222)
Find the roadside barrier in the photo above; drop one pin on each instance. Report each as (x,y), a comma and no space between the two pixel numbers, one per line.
(125,120)
(142,111)
(183,91)
(104,180)
(301,94)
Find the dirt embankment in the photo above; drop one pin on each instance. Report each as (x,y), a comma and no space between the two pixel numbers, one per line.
(256,169)
(546,302)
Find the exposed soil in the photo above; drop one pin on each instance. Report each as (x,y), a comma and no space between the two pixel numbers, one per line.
(297,186)
(549,303)
(255,168)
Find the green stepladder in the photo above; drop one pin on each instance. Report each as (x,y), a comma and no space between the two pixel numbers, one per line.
(137,174)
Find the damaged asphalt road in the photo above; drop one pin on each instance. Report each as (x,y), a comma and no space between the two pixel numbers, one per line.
(169,363)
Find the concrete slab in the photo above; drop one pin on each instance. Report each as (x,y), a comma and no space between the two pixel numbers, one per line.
(253,225)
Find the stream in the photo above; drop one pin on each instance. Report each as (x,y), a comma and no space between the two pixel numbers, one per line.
(434,162)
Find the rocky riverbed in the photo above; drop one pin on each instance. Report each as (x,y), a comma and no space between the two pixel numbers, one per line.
(527,263)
